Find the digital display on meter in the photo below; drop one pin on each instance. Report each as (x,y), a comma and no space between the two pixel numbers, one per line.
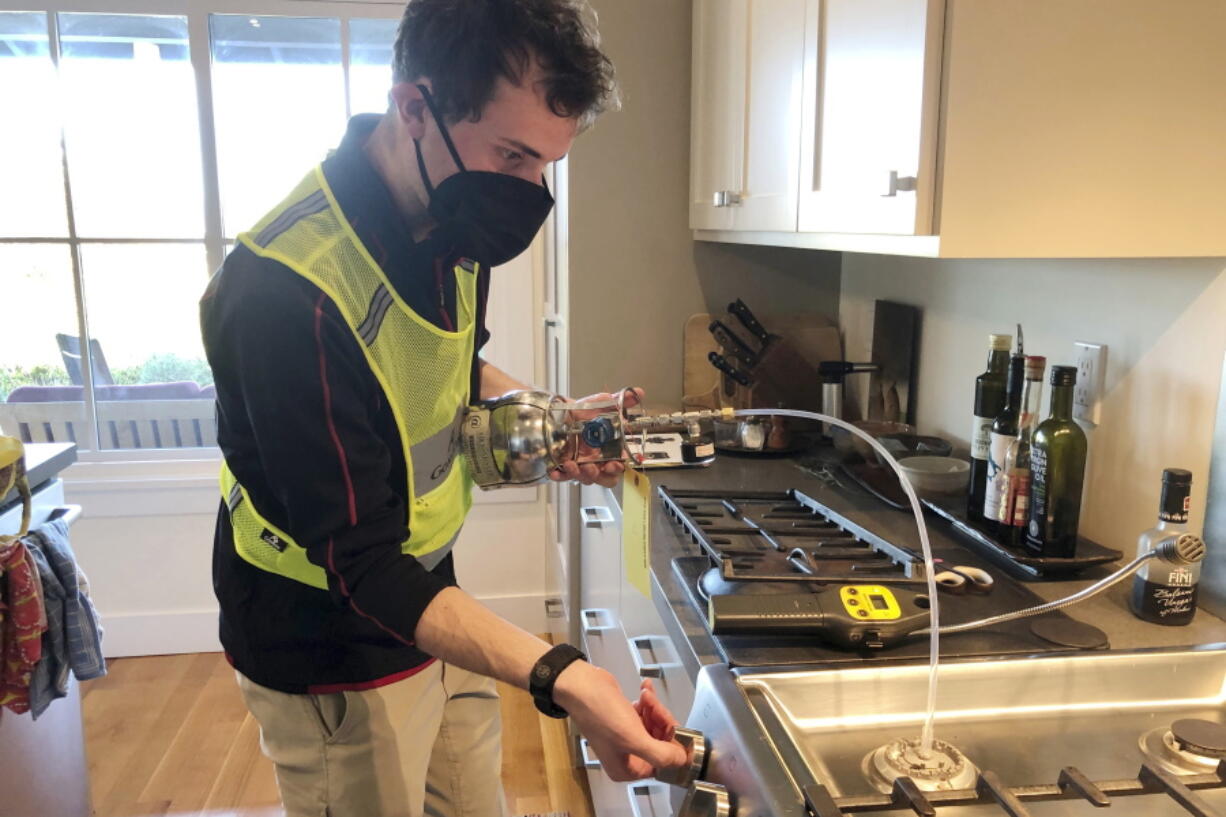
(869,602)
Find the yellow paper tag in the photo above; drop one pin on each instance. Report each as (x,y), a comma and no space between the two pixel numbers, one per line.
(636,530)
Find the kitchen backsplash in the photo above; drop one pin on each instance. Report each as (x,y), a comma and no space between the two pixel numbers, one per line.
(1162,319)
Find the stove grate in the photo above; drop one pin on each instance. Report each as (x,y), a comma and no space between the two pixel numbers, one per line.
(1071,785)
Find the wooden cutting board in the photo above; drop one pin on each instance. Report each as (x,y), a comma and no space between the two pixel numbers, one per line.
(700,382)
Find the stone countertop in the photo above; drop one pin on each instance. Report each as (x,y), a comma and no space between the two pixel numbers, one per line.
(1107,611)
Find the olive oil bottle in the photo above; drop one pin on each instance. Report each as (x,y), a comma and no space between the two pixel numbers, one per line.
(1057,466)
(989,400)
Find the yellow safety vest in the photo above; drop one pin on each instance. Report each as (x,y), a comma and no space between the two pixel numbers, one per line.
(424,372)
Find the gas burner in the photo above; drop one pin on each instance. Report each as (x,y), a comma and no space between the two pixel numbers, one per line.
(945,767)
(1189,745)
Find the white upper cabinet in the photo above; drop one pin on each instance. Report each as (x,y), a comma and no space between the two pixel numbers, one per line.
(966,128)
(868,150)
(748,62)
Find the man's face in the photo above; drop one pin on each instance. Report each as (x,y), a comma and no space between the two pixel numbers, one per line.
(517,135)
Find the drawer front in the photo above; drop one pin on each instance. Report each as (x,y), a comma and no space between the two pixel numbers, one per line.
(642,798)
(599,550)
(606,647)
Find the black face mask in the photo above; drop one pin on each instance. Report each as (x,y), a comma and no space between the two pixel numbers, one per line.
(488,217)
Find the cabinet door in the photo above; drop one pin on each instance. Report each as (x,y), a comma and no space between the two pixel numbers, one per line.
(872,81)
(717,102)
(774,42)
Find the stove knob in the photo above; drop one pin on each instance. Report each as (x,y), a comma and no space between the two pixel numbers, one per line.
(706,800)
(696,744)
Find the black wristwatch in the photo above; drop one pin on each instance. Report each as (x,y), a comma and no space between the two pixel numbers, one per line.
(545,674)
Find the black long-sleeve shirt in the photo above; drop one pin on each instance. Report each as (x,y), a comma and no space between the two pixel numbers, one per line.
(304,426)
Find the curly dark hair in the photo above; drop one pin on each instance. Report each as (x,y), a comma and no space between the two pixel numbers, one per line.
(464,46)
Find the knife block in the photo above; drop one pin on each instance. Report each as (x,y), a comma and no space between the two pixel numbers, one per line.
(783,378)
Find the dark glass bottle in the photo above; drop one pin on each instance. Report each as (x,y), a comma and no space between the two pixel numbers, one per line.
(1004,429)
(1057,466)
(989,400)
(1164,593)
(1014,484)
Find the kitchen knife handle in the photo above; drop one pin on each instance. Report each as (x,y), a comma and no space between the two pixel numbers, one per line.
(721,363)
(733,344)
(747,319)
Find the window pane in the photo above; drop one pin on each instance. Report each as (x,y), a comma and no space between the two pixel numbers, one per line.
(279,106)
(132,133)
(143,312)
(370,64)
(30,159)
(38,402)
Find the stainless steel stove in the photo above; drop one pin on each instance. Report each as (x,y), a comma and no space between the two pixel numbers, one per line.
(1141,733)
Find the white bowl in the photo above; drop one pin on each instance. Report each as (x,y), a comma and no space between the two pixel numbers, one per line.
(936,475)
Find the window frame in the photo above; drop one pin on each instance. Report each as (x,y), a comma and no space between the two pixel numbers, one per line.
(197,13)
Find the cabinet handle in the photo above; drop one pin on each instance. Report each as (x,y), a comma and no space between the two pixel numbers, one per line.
(586,757)
(638,645)
(640,790)
(596,516)
(596,620)
(553,322)
(903,183)
(726,198)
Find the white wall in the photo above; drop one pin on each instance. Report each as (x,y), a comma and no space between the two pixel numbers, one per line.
(146,536)
(1164,321)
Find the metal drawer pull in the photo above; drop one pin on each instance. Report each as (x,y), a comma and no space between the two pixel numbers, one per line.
(597,620)
(596,516)
(69,513)
(642,643)
(641,790)
(585,755)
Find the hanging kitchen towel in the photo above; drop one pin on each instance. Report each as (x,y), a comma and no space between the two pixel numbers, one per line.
(73,640)
(22,623)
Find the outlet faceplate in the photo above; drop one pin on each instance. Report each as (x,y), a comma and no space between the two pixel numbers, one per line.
(1091,377)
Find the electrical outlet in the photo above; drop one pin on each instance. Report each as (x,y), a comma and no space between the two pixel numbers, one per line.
(1091,376)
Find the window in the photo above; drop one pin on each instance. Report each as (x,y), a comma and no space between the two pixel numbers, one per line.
(130,194)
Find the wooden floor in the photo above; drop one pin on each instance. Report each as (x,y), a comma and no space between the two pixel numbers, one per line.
(169,735)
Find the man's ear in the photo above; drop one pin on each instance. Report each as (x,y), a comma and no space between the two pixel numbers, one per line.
(411,106)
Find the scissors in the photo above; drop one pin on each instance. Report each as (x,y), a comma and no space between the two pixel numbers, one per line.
(959,579)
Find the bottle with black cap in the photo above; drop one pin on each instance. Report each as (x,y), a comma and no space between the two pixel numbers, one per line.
(1165,593)
(1057,468)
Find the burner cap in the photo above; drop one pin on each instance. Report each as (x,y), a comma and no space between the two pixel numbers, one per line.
(1200,737)
(944,768)
(1069,633)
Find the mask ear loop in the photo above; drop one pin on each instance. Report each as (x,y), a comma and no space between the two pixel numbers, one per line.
(442,129)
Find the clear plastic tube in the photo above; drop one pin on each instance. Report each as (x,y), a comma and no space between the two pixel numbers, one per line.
(934,615)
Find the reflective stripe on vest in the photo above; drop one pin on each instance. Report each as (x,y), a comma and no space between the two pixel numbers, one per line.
(422,369)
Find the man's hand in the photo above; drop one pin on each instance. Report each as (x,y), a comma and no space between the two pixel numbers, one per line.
(631,740)
(604,473)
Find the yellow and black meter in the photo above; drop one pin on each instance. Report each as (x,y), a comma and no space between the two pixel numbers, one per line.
(848,615)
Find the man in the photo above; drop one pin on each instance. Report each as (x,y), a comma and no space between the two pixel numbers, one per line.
(342,332)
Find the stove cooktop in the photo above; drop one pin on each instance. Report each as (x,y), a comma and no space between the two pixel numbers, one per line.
(772,542)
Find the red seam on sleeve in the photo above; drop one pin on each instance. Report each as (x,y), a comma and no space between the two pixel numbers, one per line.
(336,438)
(345,592)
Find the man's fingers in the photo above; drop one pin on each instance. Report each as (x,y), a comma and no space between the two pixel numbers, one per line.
(662,754)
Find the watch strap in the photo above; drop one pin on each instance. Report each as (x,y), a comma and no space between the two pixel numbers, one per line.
(545,674)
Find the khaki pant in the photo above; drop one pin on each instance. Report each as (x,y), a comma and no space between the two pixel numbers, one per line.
(427,745)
